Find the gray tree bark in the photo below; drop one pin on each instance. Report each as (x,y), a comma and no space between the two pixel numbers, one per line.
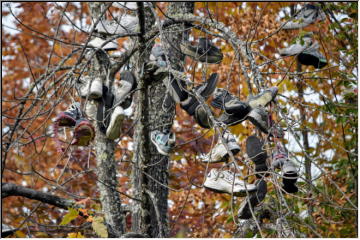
(105,161)
(150,169)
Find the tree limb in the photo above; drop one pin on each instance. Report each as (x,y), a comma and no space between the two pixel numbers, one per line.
(10,189)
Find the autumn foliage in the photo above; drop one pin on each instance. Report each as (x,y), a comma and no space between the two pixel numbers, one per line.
(40,46)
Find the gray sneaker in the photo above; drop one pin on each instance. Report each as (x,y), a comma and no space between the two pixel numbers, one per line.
(117,117)
(219,153)
(226,182)
(260,118)
(307,15)
(299,46)
(163,142)
(158,55)
(204,51)
(263,98)
(288,169)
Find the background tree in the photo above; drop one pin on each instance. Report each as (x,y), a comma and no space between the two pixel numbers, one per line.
(85,193)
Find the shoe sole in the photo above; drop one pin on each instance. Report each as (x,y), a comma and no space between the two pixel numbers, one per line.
(236,194)
(69,121)
(255,152)
(115,127)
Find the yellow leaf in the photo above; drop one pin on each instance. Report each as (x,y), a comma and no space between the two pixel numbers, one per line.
(71,215)
(75,235)
(99,227)
(20,234)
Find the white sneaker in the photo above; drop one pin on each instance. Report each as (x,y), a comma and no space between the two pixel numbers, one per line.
(99,43)
(307,15)
(129,5)
(298,47)
(113,130)
(219,152)
(127,84)
(95,90)
(91,110)
(224,182)
(127,24)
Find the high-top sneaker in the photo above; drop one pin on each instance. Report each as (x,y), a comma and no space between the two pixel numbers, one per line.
(255,151)
(253,200)
(289,171)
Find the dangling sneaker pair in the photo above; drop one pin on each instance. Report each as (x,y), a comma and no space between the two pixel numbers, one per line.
(110,119)
(193,107)
(164,142)
(236,111)
(227,182)
(306,16)
(307,52)
(289,171)
(204,51)
(188,101)
(219,153)
(84,131)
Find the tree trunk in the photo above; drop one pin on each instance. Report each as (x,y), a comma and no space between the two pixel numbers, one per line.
(105,161)
(150,169)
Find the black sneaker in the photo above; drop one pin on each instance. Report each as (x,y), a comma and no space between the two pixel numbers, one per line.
(69,116)
(235,111)
(205,51)
(205,90)
(255,151)
(253,200)
(288,169)
(313,57)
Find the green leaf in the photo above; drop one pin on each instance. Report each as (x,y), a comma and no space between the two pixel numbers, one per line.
(99,227)
(71,215)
